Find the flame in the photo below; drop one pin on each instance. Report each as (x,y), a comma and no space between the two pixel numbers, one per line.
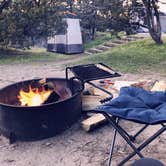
(34,97)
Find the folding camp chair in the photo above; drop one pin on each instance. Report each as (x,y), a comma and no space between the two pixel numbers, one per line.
(149,109)
(89,72)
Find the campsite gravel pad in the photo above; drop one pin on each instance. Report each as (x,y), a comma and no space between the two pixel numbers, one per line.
(74,147)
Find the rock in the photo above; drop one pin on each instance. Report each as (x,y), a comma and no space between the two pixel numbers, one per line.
(48,144)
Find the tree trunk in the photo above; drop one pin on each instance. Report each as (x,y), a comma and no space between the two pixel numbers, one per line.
(93,26)
(153,20)
(70,3)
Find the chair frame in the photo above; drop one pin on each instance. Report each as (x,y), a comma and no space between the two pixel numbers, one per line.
(114,121)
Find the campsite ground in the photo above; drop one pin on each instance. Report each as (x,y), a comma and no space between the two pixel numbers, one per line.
(73,147)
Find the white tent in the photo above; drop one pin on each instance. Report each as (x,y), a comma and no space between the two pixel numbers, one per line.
(70,42)
(163,23)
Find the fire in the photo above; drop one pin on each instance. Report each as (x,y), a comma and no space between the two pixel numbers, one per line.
(34,97)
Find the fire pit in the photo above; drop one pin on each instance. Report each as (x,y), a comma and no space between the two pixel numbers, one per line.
(38,122)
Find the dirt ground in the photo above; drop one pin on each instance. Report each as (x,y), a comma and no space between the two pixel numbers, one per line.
(73,147)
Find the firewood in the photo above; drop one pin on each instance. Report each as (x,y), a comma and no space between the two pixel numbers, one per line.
(49,86)
(147,84)
(159,86)
(42,81)
(100,93)
(89,91)
(120,84)
(90,102)
(93,122)
(53,97)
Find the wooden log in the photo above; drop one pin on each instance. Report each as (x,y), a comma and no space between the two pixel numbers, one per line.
(145,84)
(90,102)
(93,122)
(159,86)
(53,97)
(49,86)
(120,84)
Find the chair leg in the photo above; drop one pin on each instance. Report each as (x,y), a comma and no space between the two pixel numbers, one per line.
(138,133)
(143,145)
(114,139)
(126,137)
(132,137)
(112,145)
(163,124)
(121,132)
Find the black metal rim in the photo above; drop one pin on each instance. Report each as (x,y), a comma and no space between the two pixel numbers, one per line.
(49,104)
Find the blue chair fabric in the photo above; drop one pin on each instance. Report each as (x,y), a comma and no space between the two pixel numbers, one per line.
(138,105)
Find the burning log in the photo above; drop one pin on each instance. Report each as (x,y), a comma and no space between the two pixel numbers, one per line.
(53,97)
(49,86)
(42,93)
(42,81)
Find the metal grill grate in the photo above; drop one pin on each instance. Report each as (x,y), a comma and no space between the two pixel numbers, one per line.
(91,72)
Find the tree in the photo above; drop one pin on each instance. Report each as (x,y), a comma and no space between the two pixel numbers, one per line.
(24,21)
(145,13)
(120,15)
(87,11)
(153,20)
(101,15)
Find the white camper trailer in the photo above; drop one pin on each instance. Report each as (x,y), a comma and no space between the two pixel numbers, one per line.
(71,41)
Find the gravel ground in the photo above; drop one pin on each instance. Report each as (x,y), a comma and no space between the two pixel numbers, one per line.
(73,147)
